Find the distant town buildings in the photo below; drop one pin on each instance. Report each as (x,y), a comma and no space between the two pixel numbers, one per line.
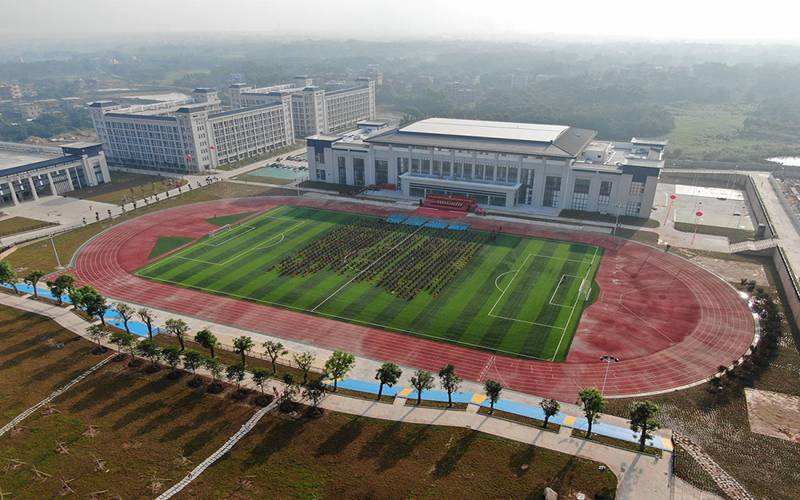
(522,166)
(28,172)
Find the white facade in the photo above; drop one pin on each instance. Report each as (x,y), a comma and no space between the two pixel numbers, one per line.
(193,135)
(499,164)
(77,166)
(314,109)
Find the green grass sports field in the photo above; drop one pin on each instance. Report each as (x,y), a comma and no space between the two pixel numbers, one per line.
(510,294)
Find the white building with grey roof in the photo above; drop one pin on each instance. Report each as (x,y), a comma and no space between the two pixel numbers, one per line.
(315,109)
(526,166)
(191,135)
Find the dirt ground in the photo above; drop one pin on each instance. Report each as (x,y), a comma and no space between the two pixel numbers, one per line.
(774,414)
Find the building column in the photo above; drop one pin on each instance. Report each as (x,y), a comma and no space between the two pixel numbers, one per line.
(13,193)
(104,166)
(88,171)
(52,184)
(33,188)
(69,179)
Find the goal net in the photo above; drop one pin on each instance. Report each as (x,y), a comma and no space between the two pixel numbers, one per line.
(585,289)
(220,230)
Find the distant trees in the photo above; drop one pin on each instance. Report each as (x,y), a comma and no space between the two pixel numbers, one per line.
(63,284)
(493,389)
(387,374)
(592,403)
(338,365)
(421,381)
(643,420)
(179,329)
(450,382)
(207,339)
(550,407)
(274,350)
(33,278)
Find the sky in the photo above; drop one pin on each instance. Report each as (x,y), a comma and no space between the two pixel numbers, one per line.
(762,21)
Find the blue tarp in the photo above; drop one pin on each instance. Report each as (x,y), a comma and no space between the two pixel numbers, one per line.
(415,221)
(436,224)
(395,219)
(458,226)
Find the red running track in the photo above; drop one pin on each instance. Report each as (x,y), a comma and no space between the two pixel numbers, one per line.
(669,322)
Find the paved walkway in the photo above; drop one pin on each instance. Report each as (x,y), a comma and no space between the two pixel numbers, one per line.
(640,476)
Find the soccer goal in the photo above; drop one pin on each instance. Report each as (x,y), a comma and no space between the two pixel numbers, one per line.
(219,230)
(586,289)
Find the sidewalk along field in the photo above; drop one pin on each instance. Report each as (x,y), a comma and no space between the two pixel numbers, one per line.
(510,294)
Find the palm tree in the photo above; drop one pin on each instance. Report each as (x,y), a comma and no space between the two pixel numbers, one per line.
(421,381)
(304,360)
(32,279)
(387,374)
(207,339)
(8,275)
(243,345)
(146,315)
(126,313)
(493,389)
(179,329)
(274,350)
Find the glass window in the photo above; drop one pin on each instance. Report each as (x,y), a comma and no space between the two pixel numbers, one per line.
(489,172)
(381,172)
(446,168)
(426,167)
(501,174)
(468,170)
(605,188)
(415,166)
(479,171)
(457,170)
(512,174)
(437,167)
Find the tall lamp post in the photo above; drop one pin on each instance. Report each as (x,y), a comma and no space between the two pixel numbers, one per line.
(607,359)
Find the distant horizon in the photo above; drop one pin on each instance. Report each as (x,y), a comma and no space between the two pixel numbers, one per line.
(504,20)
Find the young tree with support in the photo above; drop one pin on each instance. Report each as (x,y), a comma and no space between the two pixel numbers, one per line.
(33,278)
(123,340)
(149,349)
(550,407)
(304,361)
(314,391)
(192,360)
(592,403)
(97,333)
(63,284)
(215,367)
(421,381)
(260,377)
(172,356)
(450,382)
(387,374)
(208,340)
(179,329)
(146,315)
(493,390)
(235,373)
(274,350)
(126,312)
(643,420)
(243,345)
(338,365)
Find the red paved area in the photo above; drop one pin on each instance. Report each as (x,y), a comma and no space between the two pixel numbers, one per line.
(670,322)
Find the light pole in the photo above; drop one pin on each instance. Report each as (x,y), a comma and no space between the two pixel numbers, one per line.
(616,223)
(607,359)
(55,252)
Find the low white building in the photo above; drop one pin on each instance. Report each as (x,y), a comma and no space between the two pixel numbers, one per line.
(522,165)
(29,172)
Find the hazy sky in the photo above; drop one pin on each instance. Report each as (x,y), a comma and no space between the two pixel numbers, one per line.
(763,20)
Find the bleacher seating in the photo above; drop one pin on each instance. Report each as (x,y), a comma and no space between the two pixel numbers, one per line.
(448,202)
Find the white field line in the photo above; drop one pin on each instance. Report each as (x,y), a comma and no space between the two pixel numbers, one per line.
(222,450)
(27,413)
(345,318)
(500,276)
(491,311)
(266,244)
(572,312)
(560,282)
(225,240)
(378,259)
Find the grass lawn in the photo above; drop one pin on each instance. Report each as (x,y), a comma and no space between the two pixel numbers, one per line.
(39,254)
(14,225)
(132,434)
(166,244)
(735,235)
(618,443)
(228,219)
(126,187)
(510,294)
